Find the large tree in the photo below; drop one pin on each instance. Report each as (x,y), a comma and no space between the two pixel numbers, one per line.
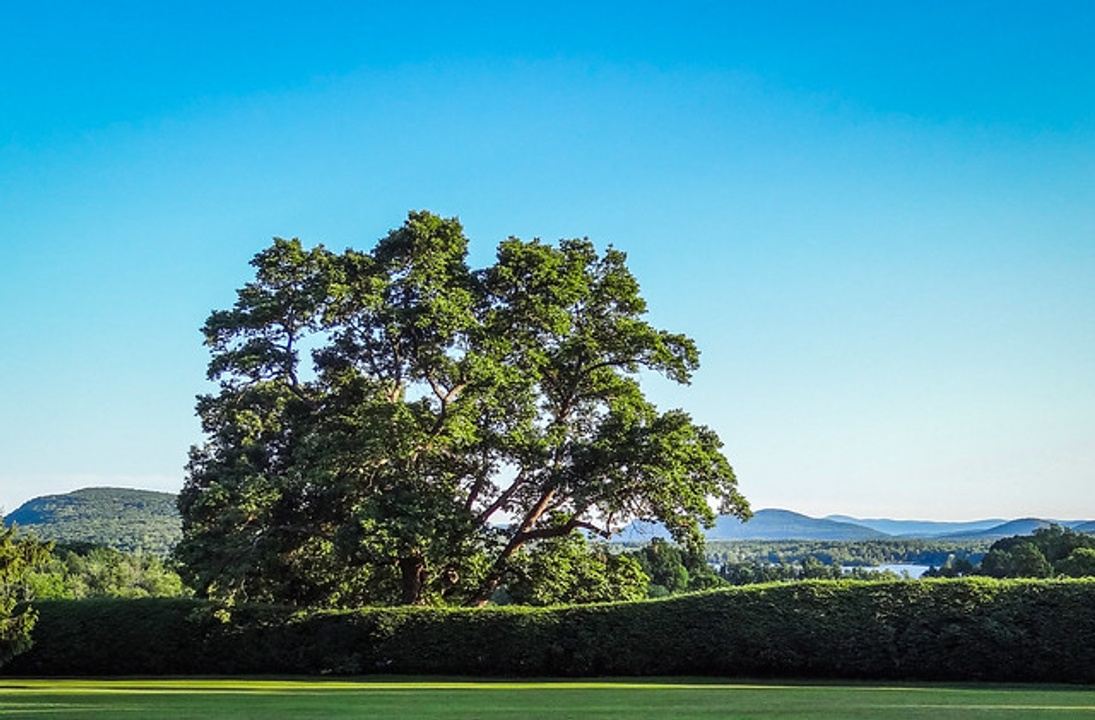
(394,426)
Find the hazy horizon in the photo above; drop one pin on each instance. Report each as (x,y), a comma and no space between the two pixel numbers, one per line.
(877,222)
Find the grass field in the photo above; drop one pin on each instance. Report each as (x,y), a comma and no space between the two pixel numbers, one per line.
(267,699)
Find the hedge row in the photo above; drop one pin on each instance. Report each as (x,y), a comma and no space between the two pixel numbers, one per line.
(982,629)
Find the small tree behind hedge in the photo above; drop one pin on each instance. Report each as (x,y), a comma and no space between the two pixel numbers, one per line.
(18,555)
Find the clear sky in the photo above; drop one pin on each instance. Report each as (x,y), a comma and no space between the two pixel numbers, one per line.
(876,219)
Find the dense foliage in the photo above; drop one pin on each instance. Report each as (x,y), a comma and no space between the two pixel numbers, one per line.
(567,570)
(129,520)
(394,426)
(73,572)
(18,557)
(673,569)
(972,629)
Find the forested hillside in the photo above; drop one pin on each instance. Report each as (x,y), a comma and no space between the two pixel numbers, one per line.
(113,517)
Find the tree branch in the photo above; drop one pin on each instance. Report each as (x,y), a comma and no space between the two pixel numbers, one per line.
(564,530)
(502,499)
(479,484)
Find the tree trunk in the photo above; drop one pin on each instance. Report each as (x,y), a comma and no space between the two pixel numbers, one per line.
(413,572)
(494,578)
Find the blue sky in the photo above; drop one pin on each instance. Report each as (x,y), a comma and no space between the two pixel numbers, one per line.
(878,221)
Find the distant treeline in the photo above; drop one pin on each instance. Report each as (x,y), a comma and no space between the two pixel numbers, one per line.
(1050,552)
(860,552)
(672,569)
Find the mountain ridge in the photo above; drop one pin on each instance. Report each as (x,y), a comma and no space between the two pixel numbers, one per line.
(920,528)
(786,525)
(1019,526)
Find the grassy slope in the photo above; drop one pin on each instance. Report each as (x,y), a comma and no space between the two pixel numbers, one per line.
(429,699)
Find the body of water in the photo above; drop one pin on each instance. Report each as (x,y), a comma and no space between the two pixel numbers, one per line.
(913,571)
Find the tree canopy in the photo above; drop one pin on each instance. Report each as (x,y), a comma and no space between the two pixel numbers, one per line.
(1049,551)
(395,426)
(1053,551)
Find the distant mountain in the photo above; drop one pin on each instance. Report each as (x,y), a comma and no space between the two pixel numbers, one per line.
(919,528)
(116,517)
(1022,526)
(774,524)
(768,524)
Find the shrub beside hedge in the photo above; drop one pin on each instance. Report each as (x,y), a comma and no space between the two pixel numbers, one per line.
(979,629)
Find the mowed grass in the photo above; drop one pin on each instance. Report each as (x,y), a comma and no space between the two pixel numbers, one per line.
(266,699)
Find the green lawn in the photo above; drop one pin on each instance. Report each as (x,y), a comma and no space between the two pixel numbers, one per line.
(266,699)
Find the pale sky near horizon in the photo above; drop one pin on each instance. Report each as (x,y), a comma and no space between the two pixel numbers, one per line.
(877,220)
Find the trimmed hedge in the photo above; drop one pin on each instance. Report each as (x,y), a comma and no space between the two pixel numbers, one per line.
(972,629)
